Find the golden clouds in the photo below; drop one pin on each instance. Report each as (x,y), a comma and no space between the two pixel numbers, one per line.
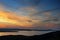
(6,17)
(11,19)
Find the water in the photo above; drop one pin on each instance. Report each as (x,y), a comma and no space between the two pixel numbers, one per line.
(25,33)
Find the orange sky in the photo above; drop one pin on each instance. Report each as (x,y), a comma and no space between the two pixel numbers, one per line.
(12,20)
(8,17)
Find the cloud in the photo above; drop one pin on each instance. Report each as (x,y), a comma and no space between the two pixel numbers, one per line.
(9,19)
(13,19)
(39,20)
(28,10)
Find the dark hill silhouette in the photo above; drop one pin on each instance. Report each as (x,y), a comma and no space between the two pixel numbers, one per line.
(49,36)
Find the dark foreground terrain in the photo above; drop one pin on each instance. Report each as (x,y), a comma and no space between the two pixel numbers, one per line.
(48,36)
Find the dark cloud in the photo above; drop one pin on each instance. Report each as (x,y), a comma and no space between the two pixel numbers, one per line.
(40,12)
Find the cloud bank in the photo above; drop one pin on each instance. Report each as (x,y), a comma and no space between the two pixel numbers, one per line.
(13,20)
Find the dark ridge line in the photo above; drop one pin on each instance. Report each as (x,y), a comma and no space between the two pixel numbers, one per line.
(17,30)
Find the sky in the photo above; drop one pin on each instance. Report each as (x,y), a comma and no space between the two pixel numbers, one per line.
(38,14)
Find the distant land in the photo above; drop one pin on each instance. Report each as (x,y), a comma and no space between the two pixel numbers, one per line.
(17,30)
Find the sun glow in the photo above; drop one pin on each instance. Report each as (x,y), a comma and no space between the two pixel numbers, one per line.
(9,18)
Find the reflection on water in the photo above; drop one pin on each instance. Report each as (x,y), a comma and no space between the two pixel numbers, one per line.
(26,33)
